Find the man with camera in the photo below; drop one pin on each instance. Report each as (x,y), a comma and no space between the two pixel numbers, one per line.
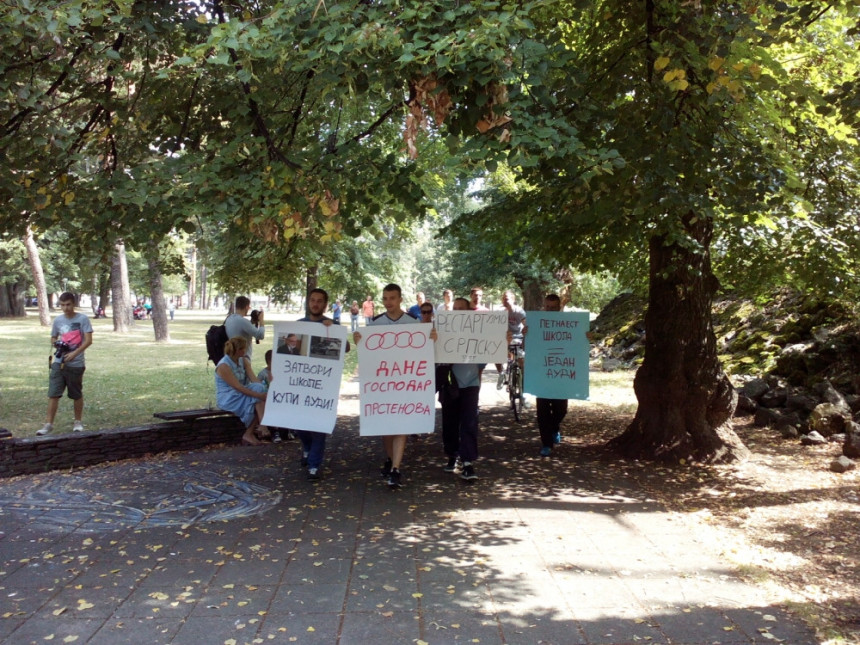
(71,334)
(237,325)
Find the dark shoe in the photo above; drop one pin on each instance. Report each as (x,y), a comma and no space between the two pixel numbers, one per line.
(468,473)
(451,466)
(313,474)
(385,471)
(395,479)
(545,451)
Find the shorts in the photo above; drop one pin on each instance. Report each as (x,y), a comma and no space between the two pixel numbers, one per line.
(68,378)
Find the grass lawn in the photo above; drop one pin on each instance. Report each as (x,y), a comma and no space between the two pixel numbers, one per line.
(129,376)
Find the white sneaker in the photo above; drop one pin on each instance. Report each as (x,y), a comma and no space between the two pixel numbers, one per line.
(78,427)
(45,429)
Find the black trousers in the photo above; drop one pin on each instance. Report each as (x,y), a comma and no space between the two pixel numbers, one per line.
(550,413)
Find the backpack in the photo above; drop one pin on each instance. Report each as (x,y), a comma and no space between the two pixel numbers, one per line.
(216,338)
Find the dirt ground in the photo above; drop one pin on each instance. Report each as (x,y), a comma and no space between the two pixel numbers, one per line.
(781,517)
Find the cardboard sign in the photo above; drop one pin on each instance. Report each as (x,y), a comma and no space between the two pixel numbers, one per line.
(397,380)
(471,336)
(307,365)
(556,363)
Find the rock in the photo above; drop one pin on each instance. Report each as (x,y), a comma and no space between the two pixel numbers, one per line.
(853,401)
(842,465)
(789,432)
(801,401)
(831,395)
(766,417)
(746,405)
(851,447)
(790,419)
(812,439)
(837,438)
(828,419)
(773,398)
(754,389)
(610,364)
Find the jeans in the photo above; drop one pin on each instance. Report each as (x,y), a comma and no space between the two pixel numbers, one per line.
(313,443)
(354,323)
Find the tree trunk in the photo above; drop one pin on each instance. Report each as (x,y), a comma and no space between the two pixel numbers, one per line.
(685,399)
(312,280)
(120,292)
(38,277)
(156,294)
(204,290)
(192,287)
(12,300)
(104,289)
(533,294)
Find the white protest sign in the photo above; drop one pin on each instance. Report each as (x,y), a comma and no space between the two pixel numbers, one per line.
(307,365)
(471,336)
(397,377)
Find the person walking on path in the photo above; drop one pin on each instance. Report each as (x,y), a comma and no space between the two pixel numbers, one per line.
(237,325)
(550,412)
(459,397)
(354,311)
(395,444)
(313,443)
(71,334)
(368,309)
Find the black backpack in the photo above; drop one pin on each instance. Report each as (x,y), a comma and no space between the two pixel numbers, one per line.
(216,338)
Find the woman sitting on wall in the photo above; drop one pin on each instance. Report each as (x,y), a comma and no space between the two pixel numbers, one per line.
(237,390)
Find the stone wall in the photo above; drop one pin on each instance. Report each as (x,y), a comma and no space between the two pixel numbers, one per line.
(73,450)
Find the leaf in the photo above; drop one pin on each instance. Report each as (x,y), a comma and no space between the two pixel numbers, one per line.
(661,63)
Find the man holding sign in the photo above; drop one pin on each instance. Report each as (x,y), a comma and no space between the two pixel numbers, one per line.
(313,443)
(556,364)
(397,380)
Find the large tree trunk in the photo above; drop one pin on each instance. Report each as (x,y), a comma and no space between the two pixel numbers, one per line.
(12,300)
(38,277)
(156,294)
(533,294)
(192,287)
(120,291)
(104,289)
(686,401)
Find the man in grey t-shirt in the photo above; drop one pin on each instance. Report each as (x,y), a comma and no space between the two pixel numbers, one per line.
(71,334)
(237,325)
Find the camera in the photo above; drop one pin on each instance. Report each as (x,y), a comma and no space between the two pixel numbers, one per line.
(255,320)
(63,348)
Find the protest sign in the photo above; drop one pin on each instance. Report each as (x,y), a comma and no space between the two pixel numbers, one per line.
(471,336)
(556,364)
(397,378)
(307,365)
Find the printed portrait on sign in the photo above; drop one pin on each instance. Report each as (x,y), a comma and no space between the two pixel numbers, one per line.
(291,344)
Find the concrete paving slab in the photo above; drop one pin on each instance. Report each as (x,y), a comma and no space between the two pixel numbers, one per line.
(563,550)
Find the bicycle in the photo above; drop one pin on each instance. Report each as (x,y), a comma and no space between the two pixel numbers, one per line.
(514,377)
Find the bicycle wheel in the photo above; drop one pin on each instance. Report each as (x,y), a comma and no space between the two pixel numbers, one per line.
(515,389)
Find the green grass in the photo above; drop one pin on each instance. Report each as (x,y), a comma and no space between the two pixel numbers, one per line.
(129,376)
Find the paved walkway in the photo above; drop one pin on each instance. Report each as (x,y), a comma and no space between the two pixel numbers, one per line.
(234,546)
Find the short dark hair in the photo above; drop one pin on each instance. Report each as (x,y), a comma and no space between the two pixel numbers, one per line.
(268,356)
(463,300)
(318,290)
(552,298)
(427,309)
(393,287)
(67,296)
(243,302)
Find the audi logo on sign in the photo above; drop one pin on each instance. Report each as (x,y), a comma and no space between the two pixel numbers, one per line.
(396,339)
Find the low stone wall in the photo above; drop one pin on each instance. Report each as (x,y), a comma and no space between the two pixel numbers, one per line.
(73,450)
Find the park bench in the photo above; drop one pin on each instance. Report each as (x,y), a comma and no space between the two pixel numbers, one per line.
(190,416)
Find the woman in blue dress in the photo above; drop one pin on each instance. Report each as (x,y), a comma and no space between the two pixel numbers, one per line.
(237,390)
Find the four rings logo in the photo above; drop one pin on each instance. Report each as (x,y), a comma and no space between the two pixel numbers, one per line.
(399,339)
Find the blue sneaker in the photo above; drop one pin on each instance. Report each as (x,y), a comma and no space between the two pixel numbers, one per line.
(545,451)
(557,438)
